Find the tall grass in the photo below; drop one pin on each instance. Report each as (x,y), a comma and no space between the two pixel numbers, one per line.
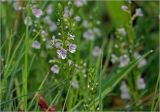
(88,79)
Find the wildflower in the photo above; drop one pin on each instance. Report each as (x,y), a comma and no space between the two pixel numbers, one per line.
(52,27)
(66,12)
(124,60)
(96,51)
(55,69)
(141,84)
(113,58)
(139,12)
(89,35)
(74,84)
(44,33)
(79,3)
(142,63)
(49,9)
(124,7)
(122,31)
(58,44)
(49,45)
(53,39)
(123,87)
(36,44)
(28,21)
(77,18)
(37,12)
(124,91)
(47,19)
(71,36)
(125,95)
(62,53)
(85,24)
(72,48)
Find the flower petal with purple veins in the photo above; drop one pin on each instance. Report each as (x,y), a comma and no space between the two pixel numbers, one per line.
(36,44)
(37,12)
(58,44)
(62,53)
(89,35)
(72,48)
(55,69)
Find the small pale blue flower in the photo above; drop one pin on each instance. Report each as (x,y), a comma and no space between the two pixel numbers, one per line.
(62,53)
(96,51)
(124,91)
(49,9)
(37,12)
(58,44)
(79,3)
(124,7)
(141,84)
(36,44)
(72,48)
(74,84)
(139,12)
(55,69)
(89,35)
(53,39)
(124,60)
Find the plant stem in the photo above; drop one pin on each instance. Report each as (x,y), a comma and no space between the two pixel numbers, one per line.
(25,73)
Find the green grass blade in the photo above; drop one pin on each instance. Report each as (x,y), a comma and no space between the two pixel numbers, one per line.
(112,80)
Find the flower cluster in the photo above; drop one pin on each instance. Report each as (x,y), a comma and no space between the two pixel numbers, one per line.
(64,43)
